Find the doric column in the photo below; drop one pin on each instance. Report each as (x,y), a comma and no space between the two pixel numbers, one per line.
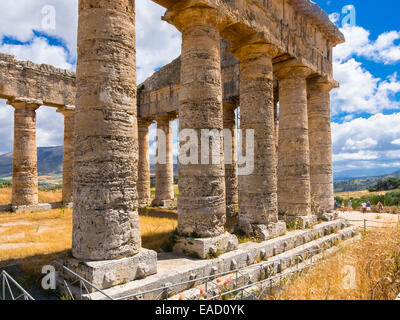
(106,221)
(320,140)
(25,173)
(294,190)
(258,203)
(164,164)
(68,153)
(231,179)
(201,202)
(143,183)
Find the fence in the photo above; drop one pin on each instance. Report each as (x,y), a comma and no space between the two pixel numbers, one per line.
(384,224)
(165,292)
(7,286)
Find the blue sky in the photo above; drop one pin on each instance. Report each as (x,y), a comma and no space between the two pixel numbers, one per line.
(365,110)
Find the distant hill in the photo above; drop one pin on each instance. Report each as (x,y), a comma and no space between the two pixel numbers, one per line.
(49,161)
(361,183)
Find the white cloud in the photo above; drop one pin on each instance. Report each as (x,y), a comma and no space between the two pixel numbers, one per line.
(383,50)
(39,51)
(367,143)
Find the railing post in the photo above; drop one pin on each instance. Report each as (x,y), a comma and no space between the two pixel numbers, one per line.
(365,225)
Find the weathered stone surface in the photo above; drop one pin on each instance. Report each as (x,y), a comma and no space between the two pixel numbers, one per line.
(110,273)
(201,202)
(106,221)
(53,86)
(25,175)
(320,140)
(164,164)
(258,201)
(294,190)
(231,179)
(143,183)
(206,248)
(68,153)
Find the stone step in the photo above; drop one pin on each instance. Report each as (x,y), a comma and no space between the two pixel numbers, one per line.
(175,269)
(277,267)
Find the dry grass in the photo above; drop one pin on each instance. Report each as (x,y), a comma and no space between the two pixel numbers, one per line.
(376,261)
(44,196)
(39,238)
(359,194)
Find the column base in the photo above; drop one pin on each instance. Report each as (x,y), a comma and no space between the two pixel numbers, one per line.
(299,222)
(31,208)
(262,231)
(166,204)
(328,216)
(206,248)
(110,273)
(145,202)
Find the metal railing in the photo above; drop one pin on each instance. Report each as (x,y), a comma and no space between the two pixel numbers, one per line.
(384,223)
(83,285)
(8,283)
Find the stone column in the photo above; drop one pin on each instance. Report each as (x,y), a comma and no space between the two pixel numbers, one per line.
(143,183)
(164,166)
(201,202)
(231,179)
(320,140)
(106,222)
(294,190)
(68,153)
(25,173)
(258,203)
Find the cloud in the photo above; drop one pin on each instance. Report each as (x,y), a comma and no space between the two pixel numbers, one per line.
(369,143)
(358,43)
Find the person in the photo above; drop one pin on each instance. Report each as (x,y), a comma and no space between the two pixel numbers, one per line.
(342,206)
(335,204)
(350,205)
(368,206)
(364,207)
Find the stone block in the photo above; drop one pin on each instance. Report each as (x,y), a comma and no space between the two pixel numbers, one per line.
(206,248)
(110,273)
(266,232)
(328,216)
(300,222)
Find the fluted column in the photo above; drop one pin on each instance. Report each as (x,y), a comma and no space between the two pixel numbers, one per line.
(258,203)
(294,189)
(320,140)
(164,164)
(106,221)
(68,153)
(201,203)
(25,173)
(231,179)
(143,183)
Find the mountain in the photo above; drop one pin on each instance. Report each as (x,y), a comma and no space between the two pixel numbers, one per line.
(362,183)
(49,161)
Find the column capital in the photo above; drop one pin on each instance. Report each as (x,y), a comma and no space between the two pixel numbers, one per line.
(321,83)
(291,69)
(22,102)
(67,110)
(166,118)
(244,50)
(145,123)
(230,104)
(188,13)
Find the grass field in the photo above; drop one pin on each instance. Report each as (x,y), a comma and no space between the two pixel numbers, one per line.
(35,239)
(359,194)
(373,263)
(44,196)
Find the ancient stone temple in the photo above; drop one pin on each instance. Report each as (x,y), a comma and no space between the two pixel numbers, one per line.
(263,62)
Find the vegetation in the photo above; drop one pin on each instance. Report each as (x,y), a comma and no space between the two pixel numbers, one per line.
(361,184)
(385,185)
(45,195)
(375,260)
(388,200)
